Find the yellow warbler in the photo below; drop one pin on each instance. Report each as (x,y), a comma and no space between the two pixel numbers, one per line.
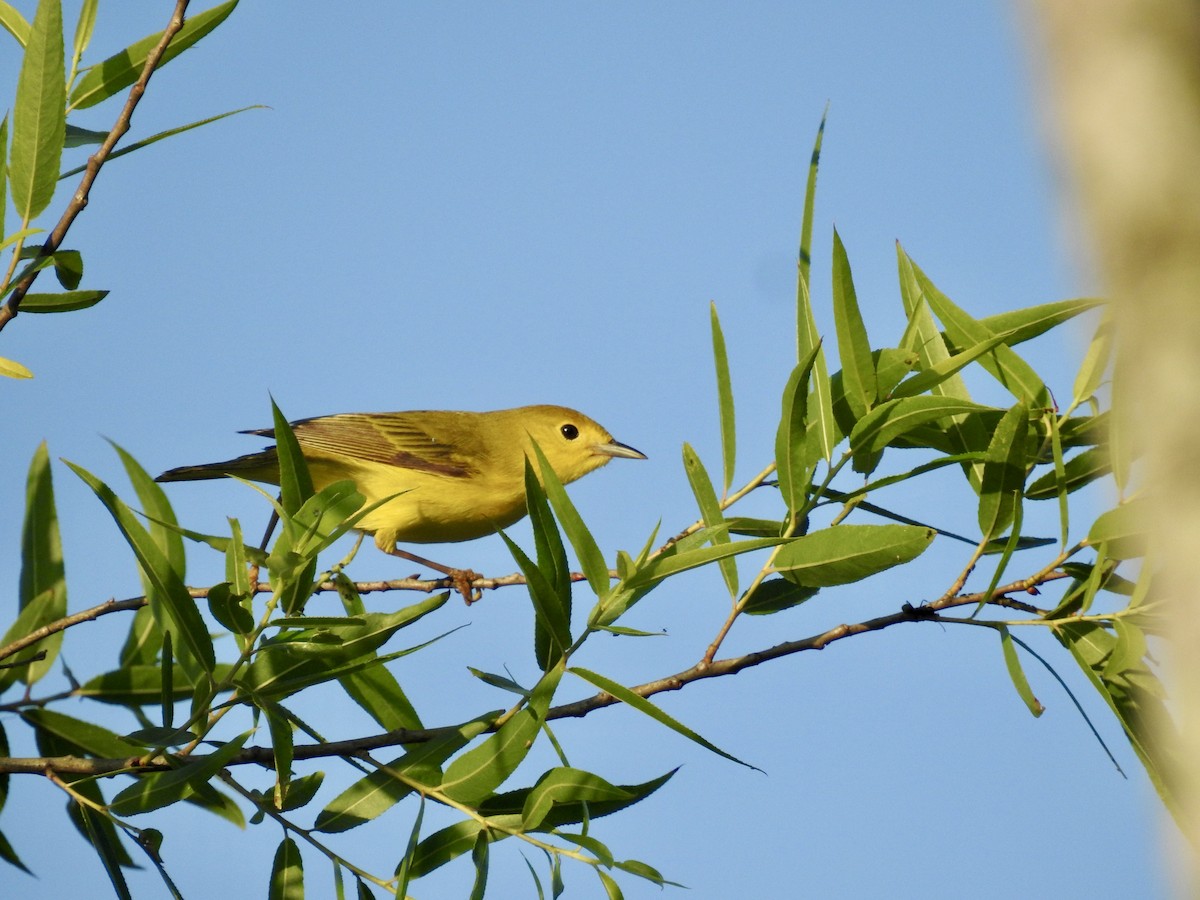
(462,474)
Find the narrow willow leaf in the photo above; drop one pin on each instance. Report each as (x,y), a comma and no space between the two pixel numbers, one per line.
(1095,361)
(169,598)
(153,139)
(640,703)
(1013,663)
(710,511)
(1003,363)
(402,870)
(724,401)
(83,29)
(42,586)
(1033,321)
(103,837)
(791,451)
(3,163)
(567,785)
(1122,529)
(295,482)
(119,71)
(844,554)
(552,634)
(821,423)
(667,565)
(1079,470)
(893,418)
(810,199)
(611,888)
(1060,477)
(927,379)
(287,873)
(1132,697)
(9,855)
(1004,472)
(893,365)
(87,737)
(68,301)
(15,24)
(378,692)
(552,563)
(159,789)
(478,772)
(164,527)
(139,684)
(854,347)
(282,747)
(39,114)
(10,368)
(371,796)
(584,544)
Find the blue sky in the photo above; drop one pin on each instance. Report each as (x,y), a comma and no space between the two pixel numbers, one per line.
(469,206)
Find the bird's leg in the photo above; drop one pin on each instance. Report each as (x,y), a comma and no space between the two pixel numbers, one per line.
(462,579)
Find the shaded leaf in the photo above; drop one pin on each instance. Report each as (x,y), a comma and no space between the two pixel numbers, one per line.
(68,301)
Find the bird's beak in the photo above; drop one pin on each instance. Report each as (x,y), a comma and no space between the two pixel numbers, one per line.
(616,448)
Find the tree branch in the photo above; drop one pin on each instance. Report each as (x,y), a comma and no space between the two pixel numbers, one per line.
(80,199)
(265,756)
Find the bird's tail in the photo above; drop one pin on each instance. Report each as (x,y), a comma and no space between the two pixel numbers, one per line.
(262,466)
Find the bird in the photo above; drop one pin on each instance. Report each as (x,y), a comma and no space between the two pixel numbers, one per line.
(457,475)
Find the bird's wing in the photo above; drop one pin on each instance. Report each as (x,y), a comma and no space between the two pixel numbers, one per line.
(393,439)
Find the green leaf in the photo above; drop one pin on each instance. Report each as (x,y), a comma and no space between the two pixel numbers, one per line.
(378,692)
(295,483)
(552,563)
(854,347)
(4,164)
(103,836)
(159,789)
(640,703)
(1122,529)
(844,554)
(819,418)
(1017,674)
(1032,321)
(140,684)
(68,269)
(287,873)
(586,548)
(670,564)
(810,199)
(9,855)
(1004,472)
(39,114)
(122,69)
(1079,470)
(69,301)
(929,378)
(83,29)
(164,527)
(1095,361)
(81,134)
(775,595)
(86,737)
(566,785)
(42,588)
(15,24)
(478,772)
(371,796)
(792,463)
(170,599)
(282,747)
(724,400)
(892,418)
(1016,376)
(551,624)
(710,511)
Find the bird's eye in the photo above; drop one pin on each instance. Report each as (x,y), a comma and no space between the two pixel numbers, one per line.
(569,431)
